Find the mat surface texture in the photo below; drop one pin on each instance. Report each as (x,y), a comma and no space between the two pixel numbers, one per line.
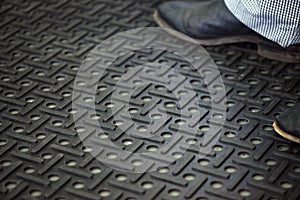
(43,135)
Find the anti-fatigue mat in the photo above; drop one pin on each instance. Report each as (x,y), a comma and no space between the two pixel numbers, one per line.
(83,121)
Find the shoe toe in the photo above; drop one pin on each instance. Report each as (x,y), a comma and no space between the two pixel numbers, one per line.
(289,121)
(174,13)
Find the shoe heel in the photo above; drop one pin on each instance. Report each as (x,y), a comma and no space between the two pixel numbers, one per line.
(278,53)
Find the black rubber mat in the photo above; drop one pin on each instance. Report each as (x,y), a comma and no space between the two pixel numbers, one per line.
(42,155)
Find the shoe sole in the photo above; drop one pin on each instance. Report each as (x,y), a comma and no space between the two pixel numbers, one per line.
(285,134)
(264,48)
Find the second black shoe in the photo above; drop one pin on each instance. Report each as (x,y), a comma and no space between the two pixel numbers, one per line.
(288,124)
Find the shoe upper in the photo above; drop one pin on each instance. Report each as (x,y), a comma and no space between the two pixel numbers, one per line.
(289,121)
(202,19)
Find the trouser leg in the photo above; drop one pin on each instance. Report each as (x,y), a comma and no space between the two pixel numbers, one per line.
(278,21)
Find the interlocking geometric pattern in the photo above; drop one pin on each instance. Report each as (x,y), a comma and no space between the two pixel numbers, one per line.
(41,154)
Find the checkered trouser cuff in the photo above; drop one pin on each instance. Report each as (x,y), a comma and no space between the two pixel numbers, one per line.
(277,20)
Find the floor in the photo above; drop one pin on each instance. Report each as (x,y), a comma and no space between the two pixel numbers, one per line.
(128,129)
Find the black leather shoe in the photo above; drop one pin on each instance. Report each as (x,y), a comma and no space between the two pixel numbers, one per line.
(211,23)
(288,124)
